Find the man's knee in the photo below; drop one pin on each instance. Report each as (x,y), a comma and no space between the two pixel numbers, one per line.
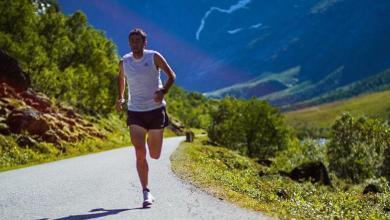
(155,156)
(155,151)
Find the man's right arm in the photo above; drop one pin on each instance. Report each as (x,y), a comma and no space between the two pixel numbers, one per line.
(121,87)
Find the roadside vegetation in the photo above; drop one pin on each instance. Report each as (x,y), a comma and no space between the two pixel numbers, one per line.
(229,176)
(256,161)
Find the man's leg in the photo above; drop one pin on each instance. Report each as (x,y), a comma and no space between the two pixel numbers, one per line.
(137,135)
(155,140)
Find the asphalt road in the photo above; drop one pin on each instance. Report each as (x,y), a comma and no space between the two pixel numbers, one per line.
(105,186)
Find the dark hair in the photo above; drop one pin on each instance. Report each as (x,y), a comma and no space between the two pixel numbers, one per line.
(138,31)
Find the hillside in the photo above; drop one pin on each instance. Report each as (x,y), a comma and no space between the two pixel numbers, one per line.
(263,85)
(375,105)
(35,129)
(375,83)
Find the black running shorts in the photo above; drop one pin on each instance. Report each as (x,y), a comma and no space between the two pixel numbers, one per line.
(154,119)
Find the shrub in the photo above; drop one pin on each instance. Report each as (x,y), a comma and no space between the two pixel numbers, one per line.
(252,127)
(356,148)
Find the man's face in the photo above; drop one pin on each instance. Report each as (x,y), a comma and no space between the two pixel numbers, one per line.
(137,44)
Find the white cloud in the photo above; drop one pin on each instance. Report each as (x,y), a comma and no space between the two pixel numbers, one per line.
(240,4)
(323,6)
(234,31)
(256,25)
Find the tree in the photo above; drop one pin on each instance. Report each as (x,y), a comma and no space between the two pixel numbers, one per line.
(356,148)
(264,130)
(250,126)
(65,57)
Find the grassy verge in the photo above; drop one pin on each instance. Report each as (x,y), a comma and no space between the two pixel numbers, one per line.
(240,180)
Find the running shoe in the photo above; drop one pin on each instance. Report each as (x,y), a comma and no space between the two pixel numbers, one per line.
(148,198)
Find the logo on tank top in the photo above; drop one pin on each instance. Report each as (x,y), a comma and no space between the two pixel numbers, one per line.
(146,64)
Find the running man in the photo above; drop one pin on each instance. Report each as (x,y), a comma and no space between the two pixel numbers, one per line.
(146,115)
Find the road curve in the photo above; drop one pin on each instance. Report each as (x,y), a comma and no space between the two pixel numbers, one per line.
(105,186)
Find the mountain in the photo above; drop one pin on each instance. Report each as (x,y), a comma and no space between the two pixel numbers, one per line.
(333,43)
(375,83)
(230,47)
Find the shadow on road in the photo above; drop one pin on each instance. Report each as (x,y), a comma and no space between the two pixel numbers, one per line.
(102,213)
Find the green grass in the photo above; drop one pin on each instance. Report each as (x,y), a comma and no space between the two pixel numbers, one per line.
(229,176)
(375,105)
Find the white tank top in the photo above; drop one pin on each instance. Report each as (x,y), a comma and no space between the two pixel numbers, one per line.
(143,80)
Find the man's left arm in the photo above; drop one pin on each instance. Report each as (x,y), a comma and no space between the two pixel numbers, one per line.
(161,63)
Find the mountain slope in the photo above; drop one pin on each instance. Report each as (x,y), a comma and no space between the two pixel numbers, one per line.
(375,83)
(346,39)
(372,105)
(263,85)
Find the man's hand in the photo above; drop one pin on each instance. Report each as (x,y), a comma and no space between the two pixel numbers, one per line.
(159,95)
(119,105)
